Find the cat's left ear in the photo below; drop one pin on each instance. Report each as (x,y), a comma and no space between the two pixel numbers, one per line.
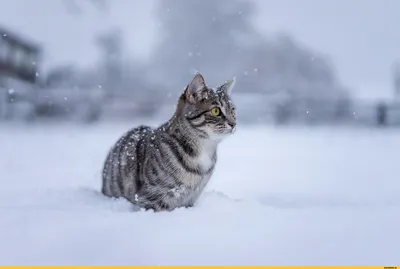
(228,86)
(196,88)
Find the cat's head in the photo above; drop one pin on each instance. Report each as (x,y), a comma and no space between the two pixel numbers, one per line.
(209,111)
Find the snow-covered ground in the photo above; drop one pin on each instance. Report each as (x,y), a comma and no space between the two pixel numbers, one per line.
(279,196)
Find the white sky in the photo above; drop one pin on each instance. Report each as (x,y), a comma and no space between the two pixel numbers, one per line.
(361,36)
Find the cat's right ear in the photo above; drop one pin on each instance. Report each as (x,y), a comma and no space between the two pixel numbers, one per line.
(195,87)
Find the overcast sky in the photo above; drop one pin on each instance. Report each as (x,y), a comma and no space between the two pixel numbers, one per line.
(361,36)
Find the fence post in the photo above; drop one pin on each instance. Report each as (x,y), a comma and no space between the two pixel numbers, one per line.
(382,114)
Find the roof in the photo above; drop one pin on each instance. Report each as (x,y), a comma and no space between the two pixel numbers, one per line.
(11,37)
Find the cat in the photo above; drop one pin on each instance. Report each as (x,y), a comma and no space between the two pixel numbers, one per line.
(168,167)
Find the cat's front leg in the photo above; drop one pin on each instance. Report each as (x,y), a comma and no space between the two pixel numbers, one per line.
(189,205)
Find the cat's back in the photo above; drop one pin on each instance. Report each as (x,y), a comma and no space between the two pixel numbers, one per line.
(130,141)
(122,159)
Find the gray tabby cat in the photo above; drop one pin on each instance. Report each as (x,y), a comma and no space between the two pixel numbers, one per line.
(168,167)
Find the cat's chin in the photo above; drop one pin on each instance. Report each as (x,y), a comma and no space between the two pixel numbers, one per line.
(221,136)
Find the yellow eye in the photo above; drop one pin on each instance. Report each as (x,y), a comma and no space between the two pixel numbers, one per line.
(215,111)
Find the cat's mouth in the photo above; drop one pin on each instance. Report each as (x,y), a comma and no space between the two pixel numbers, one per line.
(231,128)
(226,131)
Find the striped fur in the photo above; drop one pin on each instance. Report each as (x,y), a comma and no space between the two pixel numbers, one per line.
(169,166)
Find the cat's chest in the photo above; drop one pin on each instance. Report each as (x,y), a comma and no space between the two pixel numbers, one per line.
(206,156)
(205,159)
(194,184)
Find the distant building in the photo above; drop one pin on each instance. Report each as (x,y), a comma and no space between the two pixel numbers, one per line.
(18,57)
(18,75)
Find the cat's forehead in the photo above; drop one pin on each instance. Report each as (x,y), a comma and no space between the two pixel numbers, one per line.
(211,94)
(215,96)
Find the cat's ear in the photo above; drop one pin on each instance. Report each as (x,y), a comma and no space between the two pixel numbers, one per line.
(228,86)
(195,87)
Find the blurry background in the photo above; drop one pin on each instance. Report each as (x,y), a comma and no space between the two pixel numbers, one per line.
(312,169)
(296,62)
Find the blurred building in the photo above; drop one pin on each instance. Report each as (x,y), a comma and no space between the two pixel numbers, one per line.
(18,57)
(19,61)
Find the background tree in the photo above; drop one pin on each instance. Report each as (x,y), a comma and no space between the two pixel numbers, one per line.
(206,36)
(218,39)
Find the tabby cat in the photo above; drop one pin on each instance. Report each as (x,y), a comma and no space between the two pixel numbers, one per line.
(168,167)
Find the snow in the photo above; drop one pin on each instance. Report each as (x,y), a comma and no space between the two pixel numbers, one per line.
(289,196)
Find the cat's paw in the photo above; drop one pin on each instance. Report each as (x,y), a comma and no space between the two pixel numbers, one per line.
(189,205)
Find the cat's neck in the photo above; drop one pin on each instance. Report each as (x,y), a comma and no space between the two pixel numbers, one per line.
(181,128)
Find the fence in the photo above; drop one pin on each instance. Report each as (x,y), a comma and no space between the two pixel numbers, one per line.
(91,105)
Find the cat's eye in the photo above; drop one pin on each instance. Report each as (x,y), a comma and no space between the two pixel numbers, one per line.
(215,111)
